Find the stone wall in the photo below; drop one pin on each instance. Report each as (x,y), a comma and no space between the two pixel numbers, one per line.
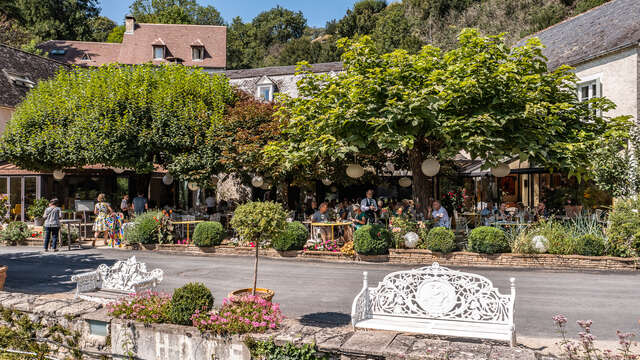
(426,257)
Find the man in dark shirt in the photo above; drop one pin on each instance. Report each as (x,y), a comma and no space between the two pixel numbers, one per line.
(140,204)
(321,216)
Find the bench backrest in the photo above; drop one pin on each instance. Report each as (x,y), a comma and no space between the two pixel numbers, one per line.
(123,275)
(436,292)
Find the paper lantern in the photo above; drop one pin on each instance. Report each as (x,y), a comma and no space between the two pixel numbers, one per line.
(389,165)
(326,182)
(430,167)
(404,182)
(540,243)
(355,171)
(167,179)
(58,174)
(411,240)
(193,186)
(118,170)
(501,170)
(257,181)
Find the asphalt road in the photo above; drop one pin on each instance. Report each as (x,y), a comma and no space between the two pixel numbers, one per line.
(322,292)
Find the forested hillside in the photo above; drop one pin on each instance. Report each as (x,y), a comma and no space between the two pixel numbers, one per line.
(282,37)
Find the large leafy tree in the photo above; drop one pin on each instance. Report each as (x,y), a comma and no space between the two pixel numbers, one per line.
(121,116)
(175,12)
(485,98)
(58,19)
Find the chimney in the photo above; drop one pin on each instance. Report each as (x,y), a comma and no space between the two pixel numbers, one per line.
(129,24)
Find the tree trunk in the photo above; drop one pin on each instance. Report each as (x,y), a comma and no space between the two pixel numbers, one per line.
(422,190)
(255,270)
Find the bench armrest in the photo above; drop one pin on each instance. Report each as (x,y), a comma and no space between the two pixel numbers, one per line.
(150,283)
(360,310)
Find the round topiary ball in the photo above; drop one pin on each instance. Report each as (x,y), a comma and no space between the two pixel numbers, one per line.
(488,240)
(208,233)
(372,240)
(293,237)
(186,300)
(441,239)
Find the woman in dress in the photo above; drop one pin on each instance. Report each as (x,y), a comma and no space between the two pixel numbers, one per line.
(102,210)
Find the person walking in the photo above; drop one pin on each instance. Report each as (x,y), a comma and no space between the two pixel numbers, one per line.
(140,204)
(102,210)
(369,206)
(125,206)
(52,215)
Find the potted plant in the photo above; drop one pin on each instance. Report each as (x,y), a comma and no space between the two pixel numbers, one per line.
(35,211)
(258,223)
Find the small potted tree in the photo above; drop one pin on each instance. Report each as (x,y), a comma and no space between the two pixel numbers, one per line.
(258,223)
(36,210)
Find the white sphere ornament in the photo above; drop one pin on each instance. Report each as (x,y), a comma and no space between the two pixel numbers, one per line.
(404,182)
(355,171)
(58,174)
(540,243)
(257,181)
(430,167)
(118,170)
(411,240)
(389,165)
(193,186)
(167,179)
(501,170)
(326,182)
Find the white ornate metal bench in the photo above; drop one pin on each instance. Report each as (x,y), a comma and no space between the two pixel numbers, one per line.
(438,301)
(106,284)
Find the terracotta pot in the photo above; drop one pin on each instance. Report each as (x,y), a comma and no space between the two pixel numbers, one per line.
(266,294)
(3,276)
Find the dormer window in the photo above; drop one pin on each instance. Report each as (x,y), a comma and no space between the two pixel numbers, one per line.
(265,89)
(197,53)
(86,57)
(57,52)
(158,52)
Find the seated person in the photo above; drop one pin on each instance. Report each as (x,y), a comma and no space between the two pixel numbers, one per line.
(359,218)
(489,210)
(321,216)
(502,214)
(439,215)
(541,211)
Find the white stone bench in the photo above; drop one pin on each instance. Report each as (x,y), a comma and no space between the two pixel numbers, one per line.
(107,284)
(438,301)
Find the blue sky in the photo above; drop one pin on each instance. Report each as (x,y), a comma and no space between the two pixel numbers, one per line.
(317,12)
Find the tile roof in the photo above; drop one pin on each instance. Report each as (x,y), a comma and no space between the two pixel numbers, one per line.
(14,62)
(281,70)
(604,29)
(136,48)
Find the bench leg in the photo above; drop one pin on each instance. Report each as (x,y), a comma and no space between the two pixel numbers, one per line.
(513,341)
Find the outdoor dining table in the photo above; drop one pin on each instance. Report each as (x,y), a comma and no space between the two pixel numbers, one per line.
(331,225)
(69,222)
(509,224)
(474,216)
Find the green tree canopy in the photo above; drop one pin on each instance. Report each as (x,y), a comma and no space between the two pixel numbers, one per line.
(121,116)
(483,97)
(175,12)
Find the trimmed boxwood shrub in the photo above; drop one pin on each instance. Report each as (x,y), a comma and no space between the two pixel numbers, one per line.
(293,237)
(441,239)
(208,233)
(590,245)
(186,300)
(487,240)
(372,240)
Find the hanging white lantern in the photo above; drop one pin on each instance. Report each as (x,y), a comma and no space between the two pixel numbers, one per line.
(214,180)
(257,181)
(333,189)
(326,182)
(430,167)
(118,170)
(501,170)
(404,182)
(58,174)
(193,186)
(411,239)
(390,167)
(355,171)
(167,179)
